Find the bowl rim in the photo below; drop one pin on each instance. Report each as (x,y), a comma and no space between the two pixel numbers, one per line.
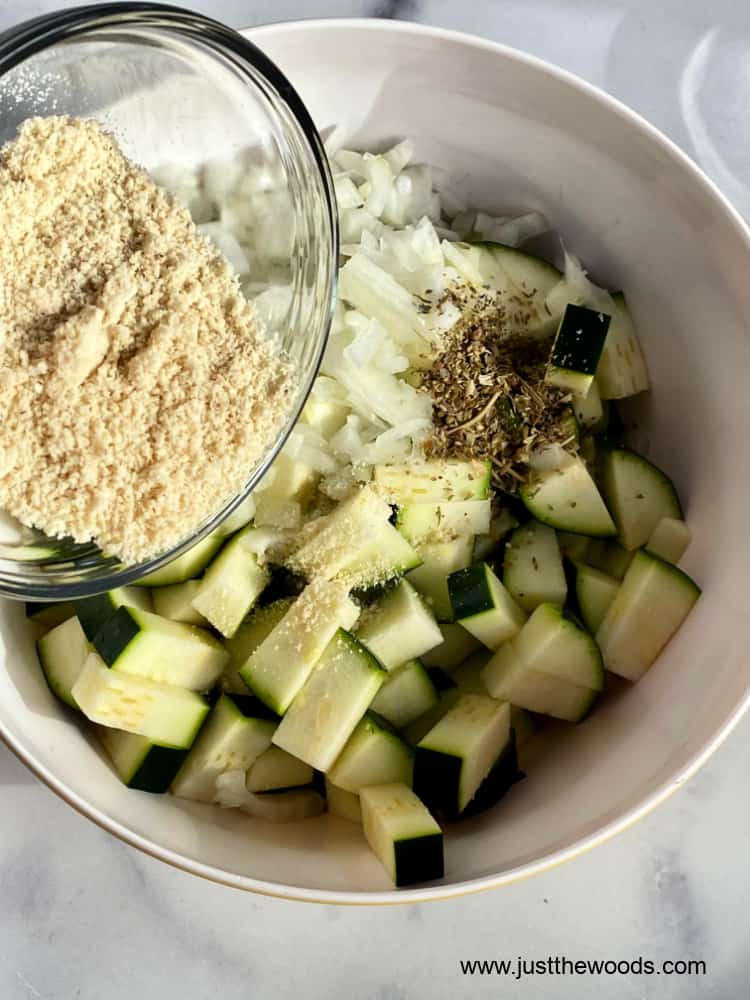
(609,829)
(26,39)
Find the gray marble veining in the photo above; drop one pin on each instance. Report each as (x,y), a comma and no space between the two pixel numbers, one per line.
(83,917)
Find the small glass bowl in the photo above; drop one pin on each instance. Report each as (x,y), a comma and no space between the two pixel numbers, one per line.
(177,88)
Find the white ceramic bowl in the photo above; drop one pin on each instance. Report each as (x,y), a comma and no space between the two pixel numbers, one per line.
(509,131)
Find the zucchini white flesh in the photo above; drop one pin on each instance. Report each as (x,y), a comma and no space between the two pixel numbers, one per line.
(609,557)
(140,763)
(483,606)
(328,707)
(553,644)
(653,601)
(507,677)
(638,494)
(236,733)
(276,670)
(529,278)
(240,516)
(523,724)
(589,410)
(93,612)
(533,570)
(454,758)
(439,560)
(251,633)
(573,546)
(577,348)
(399,627)
(402,834)
(440,522)
(407,693)
(232,584)
(62,654)
(176,603)
(447,698)
(457,644)
(49,615)
(587,448)
(289,806)
(503,775)
(168,715)
(670,539)
(567,499)
(595,591)
(373,755)
(622,368)
(187,566)
(436,481)
(139,642)
(356,543)
(346,805)
(276,768)
(468,677)
(290,481)
(500,526)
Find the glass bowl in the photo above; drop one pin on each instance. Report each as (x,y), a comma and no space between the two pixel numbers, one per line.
(180,90)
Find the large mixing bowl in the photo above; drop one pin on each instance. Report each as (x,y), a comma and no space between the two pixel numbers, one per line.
(508,130)
(179,92)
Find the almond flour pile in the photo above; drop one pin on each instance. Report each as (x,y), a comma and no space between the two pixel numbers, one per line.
(136,393)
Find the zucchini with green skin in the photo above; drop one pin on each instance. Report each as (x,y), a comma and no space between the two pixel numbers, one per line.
(236,733)
(187,566)
(402,834)
(232,584)
(609,557)
(589,410)
(168,715)
(326,710)
(594,591)
(442,521)
(49,615)
(435,481)
(176,603)
(373,755)
(504,774)
(457,644)
(670,539)
(439,560)
(551,643)
(529,277)
(276,769)
(577,348)
(567,498)
(94,612)
(62,653)
(141,763)
(622,367)
(533,570)
(138,642)
(483,606)
(399,627)
(251,633)
(346,805)
(407,693)
(652,602)
(638,494)
(452,760)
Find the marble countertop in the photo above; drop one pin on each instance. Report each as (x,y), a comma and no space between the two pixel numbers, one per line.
(84,917)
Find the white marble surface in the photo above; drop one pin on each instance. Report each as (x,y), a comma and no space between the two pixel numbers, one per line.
(82,916)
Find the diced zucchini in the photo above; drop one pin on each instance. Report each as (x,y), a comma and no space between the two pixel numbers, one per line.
(589,410)
(507,677)
(240,516)
(669,539)
(373,755)
(638,494)
(276,768)
(139,642)
(500,526)
(251,633)
(402,834)
(468,677)
(62,654)
(622,368)
(611,558)
(356,543)
(458,753)
(439,560)
(533,570)
(457,644)
(343,804)
(290,480)
(499,781)
(587,448)
(236,733)
(176,603)
(436,481)
(399,627)
(232,584)
(329,705)
(447,698)
(140,763)
(407,693)
(168,715)
(440,522)
(653,601)
(483,606)
(93,612)
(573,546)
(552,643)
(187,566)
(567,499)
(577,349)
(284,806)
(49,615)
(595,591)
(509,269)
(277,669)
(523,725)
